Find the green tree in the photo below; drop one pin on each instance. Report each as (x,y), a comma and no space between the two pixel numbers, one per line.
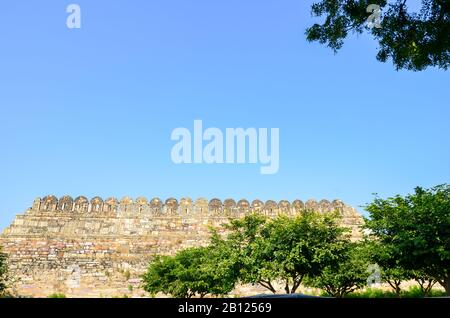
(425,282)
(244,246)
(415,230)
(386,256)
(284,249)
(346,275)
(161,276)
(394,276)
(3,273)
(413,40)
(190,273)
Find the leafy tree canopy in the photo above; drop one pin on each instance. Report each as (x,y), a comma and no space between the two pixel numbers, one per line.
(413,40)
(346,275)
(415,231)
(191,272)
(283,249)
(386,256)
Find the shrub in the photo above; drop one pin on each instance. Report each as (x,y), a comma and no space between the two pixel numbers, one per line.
(57,295)
(412,292)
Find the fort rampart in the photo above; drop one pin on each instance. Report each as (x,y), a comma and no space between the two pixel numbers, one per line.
(95,248)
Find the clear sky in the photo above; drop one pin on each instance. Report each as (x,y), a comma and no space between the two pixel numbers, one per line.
(90,111)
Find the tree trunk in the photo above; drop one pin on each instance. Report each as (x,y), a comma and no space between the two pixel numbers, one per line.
(296,284)
(429,288)
(398,291)
(268,285)
(286,288)
(426,285)
(447,285)
(340,293)
(395,284)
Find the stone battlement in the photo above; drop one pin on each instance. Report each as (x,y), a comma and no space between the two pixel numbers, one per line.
(184,207)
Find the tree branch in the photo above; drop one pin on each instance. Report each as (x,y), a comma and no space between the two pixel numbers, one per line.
(267,285)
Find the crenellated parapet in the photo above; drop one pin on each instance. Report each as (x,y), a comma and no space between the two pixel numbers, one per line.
(183,207)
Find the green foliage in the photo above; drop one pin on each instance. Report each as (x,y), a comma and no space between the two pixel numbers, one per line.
(192,272)
(244,248)
(410,239)
(3,274)
(413,41)
(368,293)
(346,275)
(394,277)
(283,249)
(412,292)
(57,295)
(414,231)
(386,257)
(425,281)
(418,292)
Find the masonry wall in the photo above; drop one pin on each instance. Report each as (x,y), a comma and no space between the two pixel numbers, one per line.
(100,248)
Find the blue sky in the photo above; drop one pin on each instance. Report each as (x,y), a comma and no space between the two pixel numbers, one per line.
(91,111)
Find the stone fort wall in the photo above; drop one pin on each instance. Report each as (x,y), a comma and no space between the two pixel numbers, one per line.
(96,248)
